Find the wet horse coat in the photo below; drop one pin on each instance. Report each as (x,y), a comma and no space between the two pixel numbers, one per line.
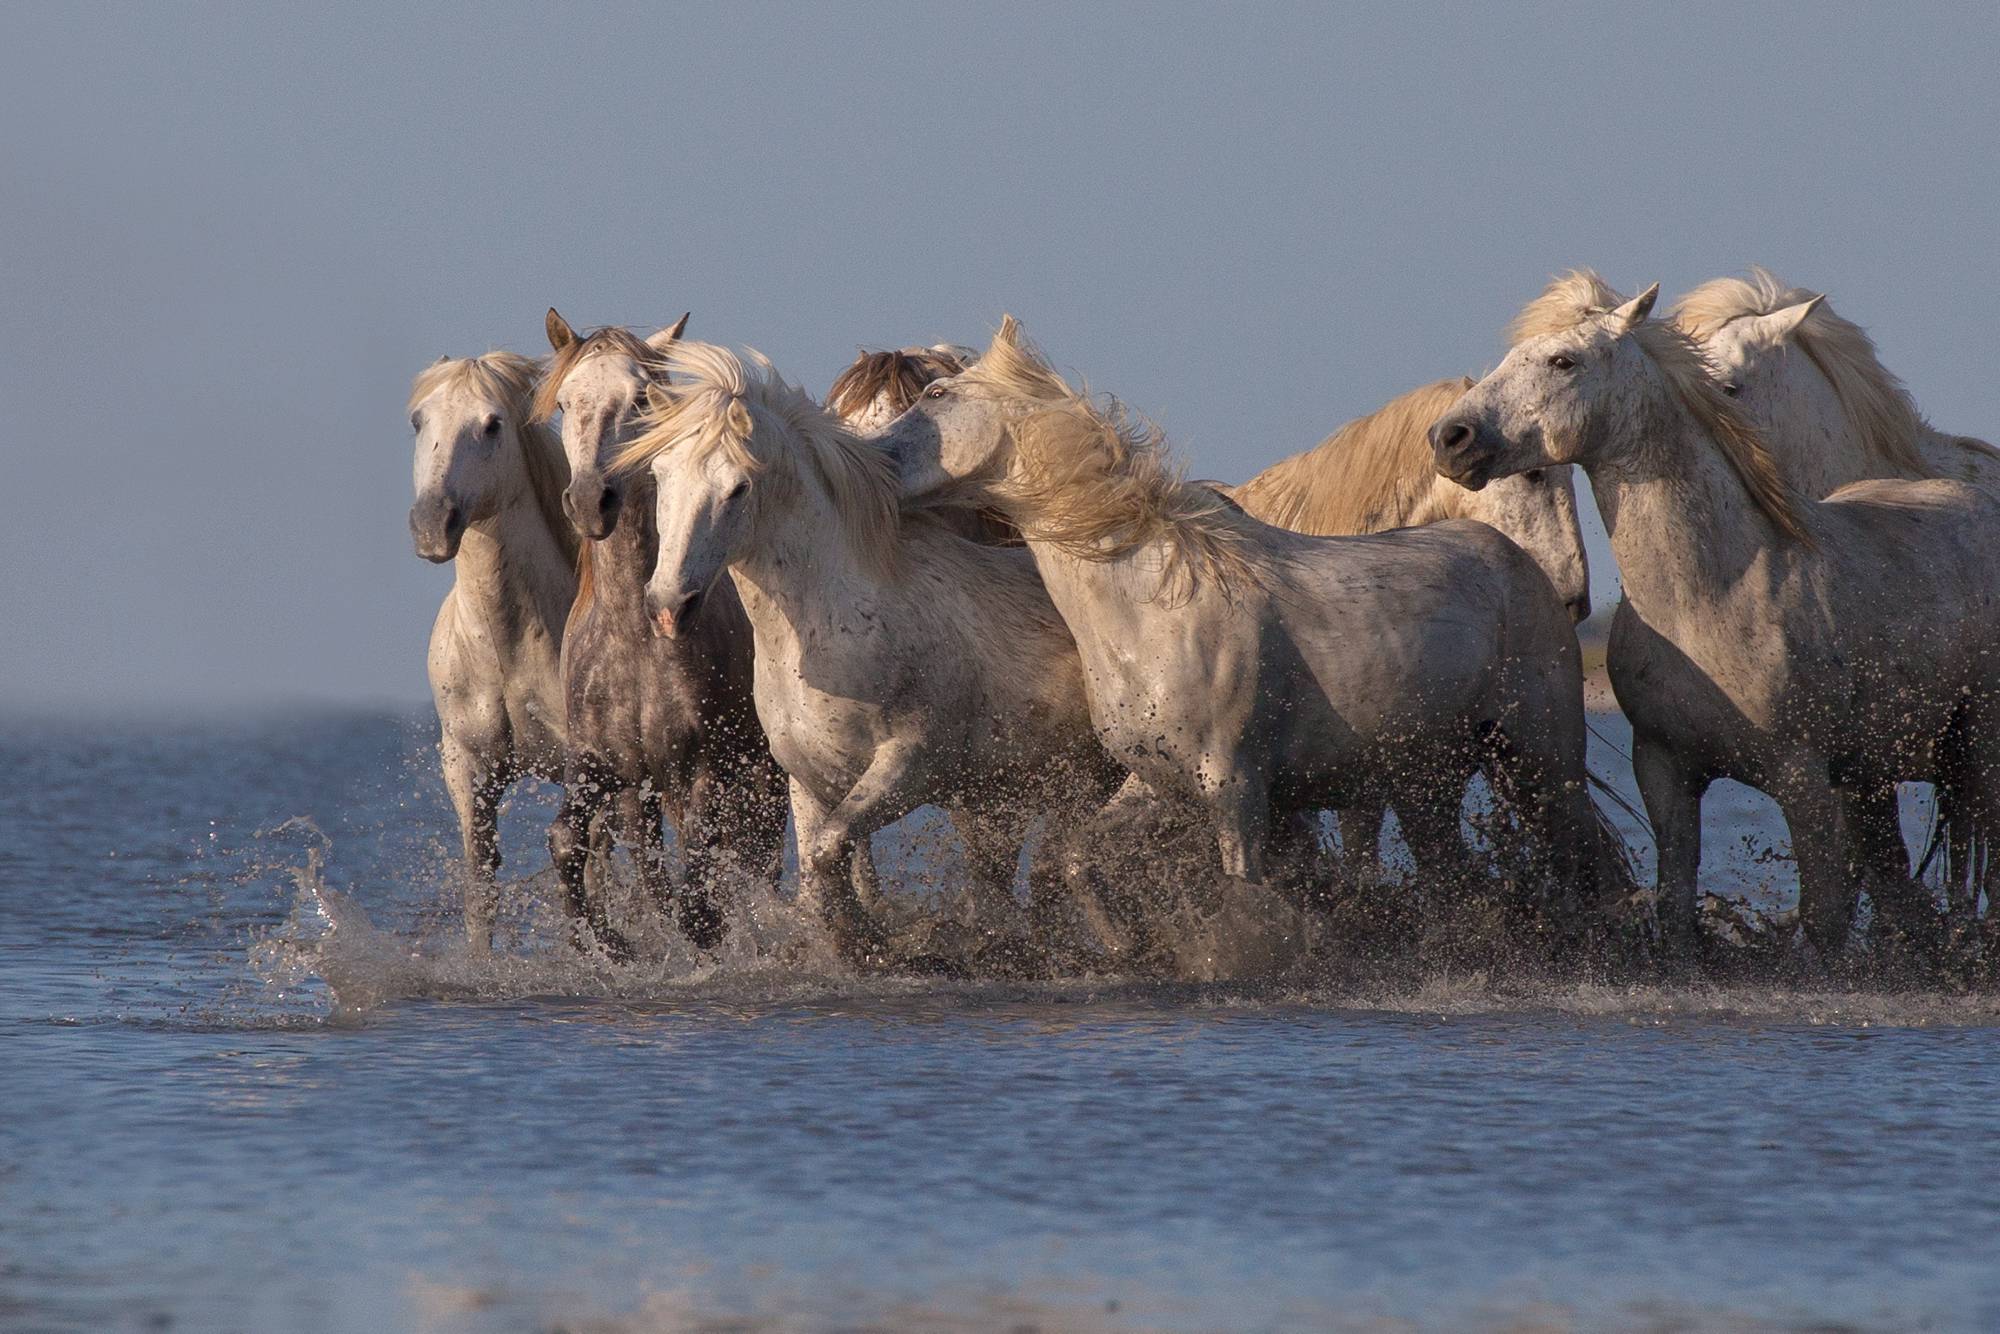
(1819,651)
(658,728)
(1258,672)
(898,663)
(487,481)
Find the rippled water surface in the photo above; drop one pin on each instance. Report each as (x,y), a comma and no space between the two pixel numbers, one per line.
(215,1113)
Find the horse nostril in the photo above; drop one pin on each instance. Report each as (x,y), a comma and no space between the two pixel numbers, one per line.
(605,501)
(452,518)
(1449,435)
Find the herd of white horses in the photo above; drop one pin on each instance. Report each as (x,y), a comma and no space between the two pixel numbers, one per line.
(696,596)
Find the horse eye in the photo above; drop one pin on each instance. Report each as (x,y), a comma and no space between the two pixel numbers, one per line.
(416,422)
(1562,363)
(1732,388)
(935,391)
(492,427)
(738,491)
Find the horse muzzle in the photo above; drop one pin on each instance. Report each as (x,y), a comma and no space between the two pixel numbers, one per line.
(592,506)
(673,614)
(1462,452)
(436,525)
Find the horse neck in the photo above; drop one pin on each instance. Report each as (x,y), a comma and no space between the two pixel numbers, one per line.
(1817,446)
(1682,525)
(1103,602)
(511,574)
(802,561)
(621,562)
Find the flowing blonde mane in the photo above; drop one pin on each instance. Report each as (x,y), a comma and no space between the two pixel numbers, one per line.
(715,403)
(1098,483)
(902,373)
(1565,303)
(1876,402)
(512,381)
(1691,379)
(1368,476)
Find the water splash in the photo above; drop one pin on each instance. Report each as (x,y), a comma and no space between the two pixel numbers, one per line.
(1223,951)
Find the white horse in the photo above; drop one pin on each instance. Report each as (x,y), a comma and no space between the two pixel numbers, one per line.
(658,729)
(1832,413)
(1828,409)
(898,664)
(489,483)
(1818,651)
(1374,474)
(1258,672)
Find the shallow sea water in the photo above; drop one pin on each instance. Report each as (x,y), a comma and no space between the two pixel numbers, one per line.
(239,1095)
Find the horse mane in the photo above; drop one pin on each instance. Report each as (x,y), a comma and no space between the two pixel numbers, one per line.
(611,338)
(586,588)
(1581,296)
(1875,400)
(1096,481)
(714,404)
(1368,476)
(516,382)
(1566,302)
(901,372)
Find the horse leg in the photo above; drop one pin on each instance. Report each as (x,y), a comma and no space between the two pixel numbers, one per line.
(808,815)
(1436,845)
(755,830)
(893,784)
(573,840)
(1879,859)
(700,829)
(867,880)
(1672,791)
(1820,847)
(1539,774)
(1051,870)
(993,842)
(1974,770)
(1242,813)
(1361,840)
(600,803)
(1297,861)
(1116,911)
(475,795)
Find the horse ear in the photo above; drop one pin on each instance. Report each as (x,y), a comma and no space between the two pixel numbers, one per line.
(1634,312)
(560,334)
(1778,326)
(668,336)
(1010,331)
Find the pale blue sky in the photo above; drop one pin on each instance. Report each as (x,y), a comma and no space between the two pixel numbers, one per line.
(231,234)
